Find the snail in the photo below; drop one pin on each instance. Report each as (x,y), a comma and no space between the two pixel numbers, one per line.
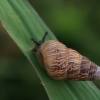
(63,63)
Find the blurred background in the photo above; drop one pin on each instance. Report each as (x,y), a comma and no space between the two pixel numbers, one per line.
(75,23)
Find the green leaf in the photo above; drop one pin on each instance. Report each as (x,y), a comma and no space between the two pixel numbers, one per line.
(22,22)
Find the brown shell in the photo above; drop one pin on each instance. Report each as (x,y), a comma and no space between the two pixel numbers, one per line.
(64,63)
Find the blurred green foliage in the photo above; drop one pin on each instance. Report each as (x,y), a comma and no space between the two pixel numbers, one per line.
(75,23)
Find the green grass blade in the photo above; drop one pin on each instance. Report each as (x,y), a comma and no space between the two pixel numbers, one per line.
(22,22)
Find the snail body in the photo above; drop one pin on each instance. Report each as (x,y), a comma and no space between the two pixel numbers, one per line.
(63,63)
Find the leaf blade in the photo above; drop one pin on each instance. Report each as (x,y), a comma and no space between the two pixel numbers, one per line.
(22,22)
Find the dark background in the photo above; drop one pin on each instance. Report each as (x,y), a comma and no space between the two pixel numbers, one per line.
(75,23)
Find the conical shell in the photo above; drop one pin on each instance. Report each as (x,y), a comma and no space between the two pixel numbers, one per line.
(64,63)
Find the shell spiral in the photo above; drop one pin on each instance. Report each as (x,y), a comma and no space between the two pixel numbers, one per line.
(64,63)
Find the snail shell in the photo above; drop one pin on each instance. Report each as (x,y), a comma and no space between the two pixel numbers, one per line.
(63,63)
